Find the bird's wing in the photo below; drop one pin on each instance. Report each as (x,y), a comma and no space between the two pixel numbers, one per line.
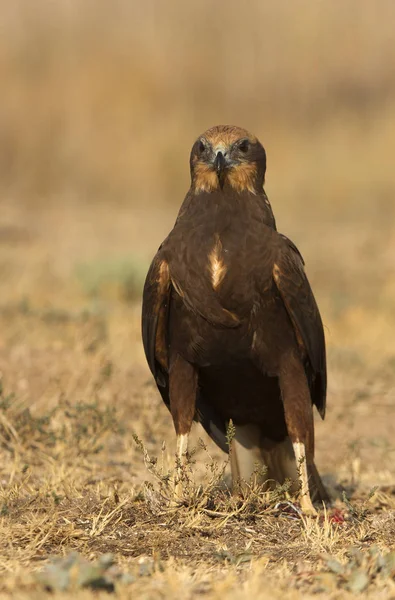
(292,283)
(156,302)
(156,299)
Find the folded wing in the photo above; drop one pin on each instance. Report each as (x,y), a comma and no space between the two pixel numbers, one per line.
(292,283)
(157,293)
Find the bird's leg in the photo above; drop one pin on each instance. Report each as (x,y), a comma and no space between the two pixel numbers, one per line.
(298,412)
(183,389)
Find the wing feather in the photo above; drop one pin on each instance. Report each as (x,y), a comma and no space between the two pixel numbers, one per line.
(293,285)
(156,302)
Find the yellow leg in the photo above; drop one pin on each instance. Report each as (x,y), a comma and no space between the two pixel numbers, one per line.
(305,499)
(182,449)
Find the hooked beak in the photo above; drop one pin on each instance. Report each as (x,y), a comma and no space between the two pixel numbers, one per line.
(220,165)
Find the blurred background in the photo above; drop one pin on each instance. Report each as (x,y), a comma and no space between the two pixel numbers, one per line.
(100,104)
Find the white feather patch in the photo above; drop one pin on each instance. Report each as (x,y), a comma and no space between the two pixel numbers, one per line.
(216,264)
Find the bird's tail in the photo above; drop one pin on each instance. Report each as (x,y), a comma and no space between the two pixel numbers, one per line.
(272,462)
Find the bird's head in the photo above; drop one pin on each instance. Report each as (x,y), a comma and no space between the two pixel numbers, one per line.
(227,156)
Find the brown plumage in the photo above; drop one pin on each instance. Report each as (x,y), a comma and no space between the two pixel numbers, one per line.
(231,329)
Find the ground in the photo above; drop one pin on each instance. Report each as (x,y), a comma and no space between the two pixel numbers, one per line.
(86,443)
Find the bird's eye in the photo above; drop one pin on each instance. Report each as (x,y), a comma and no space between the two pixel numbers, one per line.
(202,146)
(244,146)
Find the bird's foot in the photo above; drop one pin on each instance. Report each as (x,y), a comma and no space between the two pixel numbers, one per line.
(307,506)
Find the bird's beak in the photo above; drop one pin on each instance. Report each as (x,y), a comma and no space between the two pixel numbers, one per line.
(220,165)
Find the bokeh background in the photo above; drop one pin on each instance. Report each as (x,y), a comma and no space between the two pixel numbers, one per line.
(100,103)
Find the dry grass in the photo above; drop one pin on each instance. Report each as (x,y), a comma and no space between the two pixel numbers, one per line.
(99,109)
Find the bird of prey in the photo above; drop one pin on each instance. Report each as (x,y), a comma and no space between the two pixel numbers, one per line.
(230,326)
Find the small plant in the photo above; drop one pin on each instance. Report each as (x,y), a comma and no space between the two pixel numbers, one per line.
(211,498)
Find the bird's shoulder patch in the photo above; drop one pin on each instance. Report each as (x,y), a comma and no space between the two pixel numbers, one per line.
(163,274)
(163,282)
(217,267)
(276,272)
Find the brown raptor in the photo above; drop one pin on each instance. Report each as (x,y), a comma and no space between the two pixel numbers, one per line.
(231,329)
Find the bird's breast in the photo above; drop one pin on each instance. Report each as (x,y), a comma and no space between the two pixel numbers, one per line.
(236,271)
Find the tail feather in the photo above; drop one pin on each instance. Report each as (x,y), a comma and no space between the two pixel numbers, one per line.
(251,455)
(280,459)
(245,455)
